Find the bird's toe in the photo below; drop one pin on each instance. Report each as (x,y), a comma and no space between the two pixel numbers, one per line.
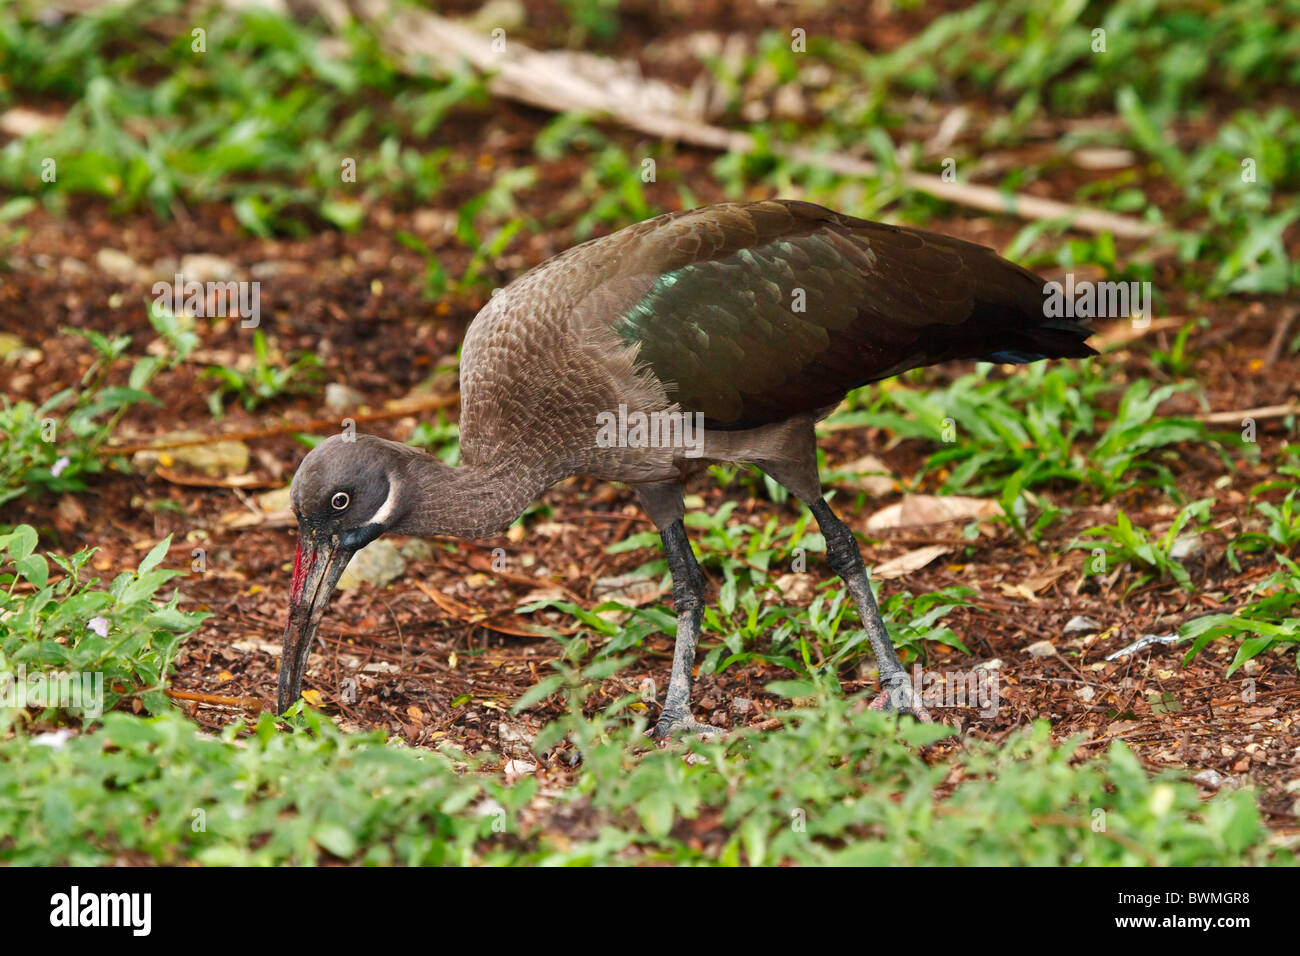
(901,697)
(672,725)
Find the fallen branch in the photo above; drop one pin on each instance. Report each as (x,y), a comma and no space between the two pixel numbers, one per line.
(250,703)
(1278,341)
(562,82)
(201,481)
(1263,412)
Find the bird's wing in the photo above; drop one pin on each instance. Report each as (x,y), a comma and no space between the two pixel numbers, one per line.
(753,312)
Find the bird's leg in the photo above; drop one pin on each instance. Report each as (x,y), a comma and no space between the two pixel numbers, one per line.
(688,602)
(846,560)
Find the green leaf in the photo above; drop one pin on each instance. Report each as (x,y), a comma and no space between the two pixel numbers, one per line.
(656,813)
(34,568)
(336,839)
(22,541)
(154,557)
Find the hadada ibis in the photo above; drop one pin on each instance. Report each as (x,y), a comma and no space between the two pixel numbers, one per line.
(751,320)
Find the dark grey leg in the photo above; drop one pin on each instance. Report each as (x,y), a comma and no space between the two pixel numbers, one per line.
(846,560)
(688,602)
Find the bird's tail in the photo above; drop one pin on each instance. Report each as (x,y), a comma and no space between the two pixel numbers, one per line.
(1053,338)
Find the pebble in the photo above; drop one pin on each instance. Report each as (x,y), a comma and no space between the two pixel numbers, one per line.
(216,459)
(1186,546)
(871,475)
(1210,778)
(117,263)
(205,267)
(9,345)
(417,549)
(340,397)
(377,564)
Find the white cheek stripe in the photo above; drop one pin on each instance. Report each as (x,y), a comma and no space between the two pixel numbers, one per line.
(386,509)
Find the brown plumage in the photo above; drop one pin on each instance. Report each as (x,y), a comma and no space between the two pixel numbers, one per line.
(753,319)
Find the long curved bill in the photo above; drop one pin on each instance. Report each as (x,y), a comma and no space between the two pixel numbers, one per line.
(317,566)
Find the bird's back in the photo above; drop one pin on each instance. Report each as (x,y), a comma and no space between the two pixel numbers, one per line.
(749,313)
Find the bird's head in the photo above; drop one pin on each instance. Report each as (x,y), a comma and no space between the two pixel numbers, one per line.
(346,493)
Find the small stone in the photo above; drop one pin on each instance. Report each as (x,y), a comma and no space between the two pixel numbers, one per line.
(216,459)
(796,588)
(266,270)
(417,550)
(870,474)
(740,706)
(165,268)
(117,264)
(340,397)
(1186,546)
(205,267)
(10,344)
(1209,778)
(275,500)
(1081,624)
(1042,649)
(377,564)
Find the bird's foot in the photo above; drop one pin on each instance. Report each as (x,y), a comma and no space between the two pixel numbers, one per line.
(674,724)
(901,697)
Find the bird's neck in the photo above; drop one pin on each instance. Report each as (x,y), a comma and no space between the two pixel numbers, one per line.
(468,502)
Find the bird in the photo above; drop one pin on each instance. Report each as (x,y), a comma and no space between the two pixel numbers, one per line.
(718,334)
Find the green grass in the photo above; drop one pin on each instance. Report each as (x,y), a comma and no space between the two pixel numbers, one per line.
(124,632)
(836,784)
(1153,556)
(51,447)
(1043,425)
(265,380)
(1270,618)
(262,119)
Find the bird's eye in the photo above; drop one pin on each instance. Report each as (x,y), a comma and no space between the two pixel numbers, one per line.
(340,500)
